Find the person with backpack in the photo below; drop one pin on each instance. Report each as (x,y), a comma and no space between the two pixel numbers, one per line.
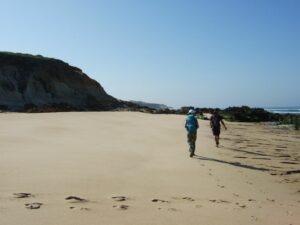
(191,125)
(215,124)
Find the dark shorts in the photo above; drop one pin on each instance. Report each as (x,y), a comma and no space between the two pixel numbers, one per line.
(192,137)
(216,131)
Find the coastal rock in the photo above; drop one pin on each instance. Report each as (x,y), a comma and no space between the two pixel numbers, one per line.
(30,82)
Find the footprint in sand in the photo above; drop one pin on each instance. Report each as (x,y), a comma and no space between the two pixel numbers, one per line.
(262,158)
(35,205)
(85,209)
(284,156)
(252,145)
(188,199)
(289,213)
(274,174)
(121,207)
(291,172)
(218,201)
(119,198)
(22,195)
(280,147)
(254,218)
(286,162)
(159,200)
(75,199)
(221,186)
(241,206)
(172,209)
(240,157)
(169,209)
(82,208)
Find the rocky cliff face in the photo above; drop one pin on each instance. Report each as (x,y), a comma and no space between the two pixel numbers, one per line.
(34,81)
(155,106)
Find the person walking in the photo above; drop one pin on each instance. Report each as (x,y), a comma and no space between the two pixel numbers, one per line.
(191,125)
(215,123)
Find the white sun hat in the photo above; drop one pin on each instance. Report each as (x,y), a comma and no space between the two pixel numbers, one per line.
(191,111)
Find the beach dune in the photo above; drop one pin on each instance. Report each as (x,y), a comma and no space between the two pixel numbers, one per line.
(134,168)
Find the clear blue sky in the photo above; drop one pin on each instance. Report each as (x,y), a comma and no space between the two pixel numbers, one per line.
(177,52)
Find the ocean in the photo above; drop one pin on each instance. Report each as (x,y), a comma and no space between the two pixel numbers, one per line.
(284,110)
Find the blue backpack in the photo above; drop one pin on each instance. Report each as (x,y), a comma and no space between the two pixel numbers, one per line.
(191,123)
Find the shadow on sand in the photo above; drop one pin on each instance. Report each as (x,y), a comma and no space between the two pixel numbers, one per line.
(244,151)
(238,164)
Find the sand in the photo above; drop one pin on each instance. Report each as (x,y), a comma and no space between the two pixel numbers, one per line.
(134,168)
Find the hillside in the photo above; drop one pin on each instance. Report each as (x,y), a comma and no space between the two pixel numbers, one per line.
(28,82)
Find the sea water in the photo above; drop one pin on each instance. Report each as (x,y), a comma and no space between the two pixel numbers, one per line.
(284,110)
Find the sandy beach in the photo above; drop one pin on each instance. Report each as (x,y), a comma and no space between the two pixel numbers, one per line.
(134,168)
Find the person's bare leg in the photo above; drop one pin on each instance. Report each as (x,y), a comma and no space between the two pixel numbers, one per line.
(217,140)
(193,146)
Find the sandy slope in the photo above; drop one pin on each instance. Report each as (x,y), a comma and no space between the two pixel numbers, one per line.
(144,158)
